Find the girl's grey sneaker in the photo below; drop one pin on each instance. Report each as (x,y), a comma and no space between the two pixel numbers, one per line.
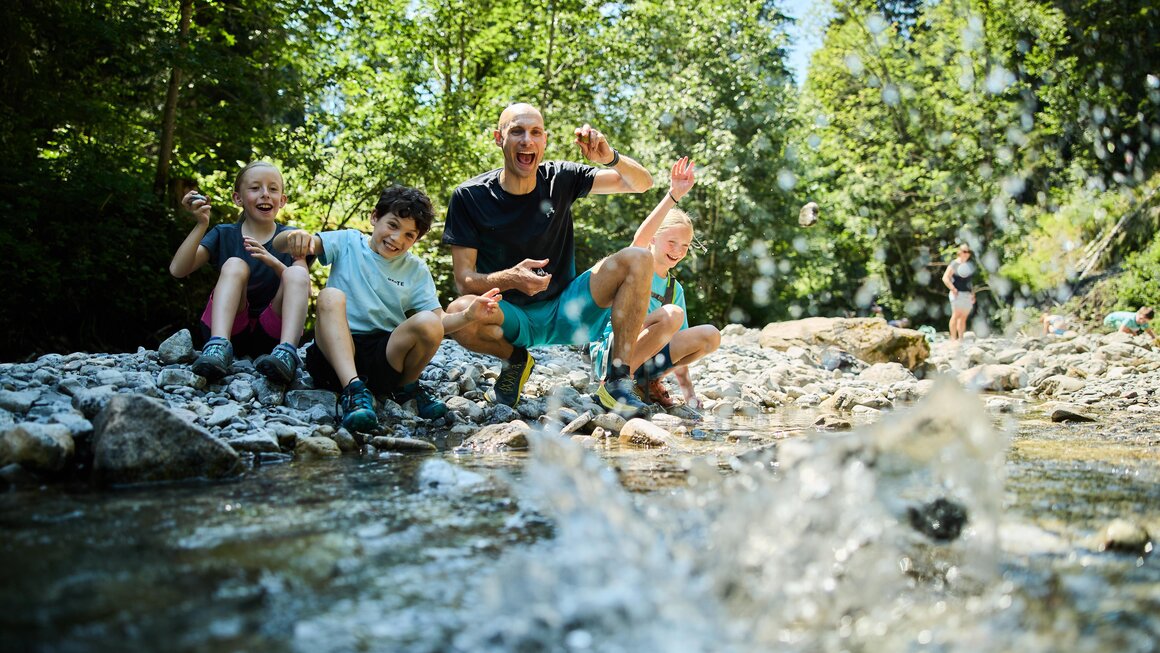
(281,365)
(358,407)
(215,359)
(428,406)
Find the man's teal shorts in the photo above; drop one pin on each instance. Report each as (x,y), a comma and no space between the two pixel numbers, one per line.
(571,318)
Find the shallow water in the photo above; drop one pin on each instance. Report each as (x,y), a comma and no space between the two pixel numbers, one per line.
(616,548)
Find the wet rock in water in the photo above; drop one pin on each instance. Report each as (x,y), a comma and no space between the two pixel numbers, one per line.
(137,439)
(1001,404)
(37,447)
(741,435)
(499,437)
(666,421)
(1126,537)
(413,445)
(1067,415)
(808,215)
(316,447)
(346,441)
(940,519)
(644,433)
(588,441)
(272,458)
(842,399)
(832,422)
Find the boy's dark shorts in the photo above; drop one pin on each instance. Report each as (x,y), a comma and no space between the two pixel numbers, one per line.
(370,360)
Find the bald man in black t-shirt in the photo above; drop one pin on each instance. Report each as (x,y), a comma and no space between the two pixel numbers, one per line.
(511,229)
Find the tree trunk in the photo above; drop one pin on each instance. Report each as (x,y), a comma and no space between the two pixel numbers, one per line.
(546,94)
(169,114)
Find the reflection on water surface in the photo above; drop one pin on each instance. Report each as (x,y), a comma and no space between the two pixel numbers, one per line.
(614,548)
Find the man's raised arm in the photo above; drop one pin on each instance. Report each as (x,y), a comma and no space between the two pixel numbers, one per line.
(621,175)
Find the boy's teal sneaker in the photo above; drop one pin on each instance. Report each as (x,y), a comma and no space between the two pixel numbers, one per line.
(215,359)
(510,383)
(428,406)
(358,407)
(281,365)
(619,397)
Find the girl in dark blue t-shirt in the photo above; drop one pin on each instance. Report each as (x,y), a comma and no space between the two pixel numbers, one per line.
(260,300)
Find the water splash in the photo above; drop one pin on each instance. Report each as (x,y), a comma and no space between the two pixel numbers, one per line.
(814,551)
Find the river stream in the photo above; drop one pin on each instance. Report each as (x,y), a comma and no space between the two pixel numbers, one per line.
(616,548)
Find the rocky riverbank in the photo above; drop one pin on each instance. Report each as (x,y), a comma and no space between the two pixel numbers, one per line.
(145,417)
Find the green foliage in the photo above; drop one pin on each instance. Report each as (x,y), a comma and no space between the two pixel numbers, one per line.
(955,124)
(89,269)
(1054,250)
(1140,284)
(1011,124)
(1100,89)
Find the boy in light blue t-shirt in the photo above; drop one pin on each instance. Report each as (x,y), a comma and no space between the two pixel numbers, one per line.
(1130,322)
(364,340)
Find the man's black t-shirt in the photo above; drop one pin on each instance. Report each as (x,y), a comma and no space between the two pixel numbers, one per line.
(505,229)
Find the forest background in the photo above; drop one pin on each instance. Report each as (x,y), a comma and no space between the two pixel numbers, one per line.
(1022,127)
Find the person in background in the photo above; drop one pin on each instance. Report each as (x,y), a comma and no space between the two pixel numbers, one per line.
(1053,323)
(259,302)
(1133,323)
(957,279)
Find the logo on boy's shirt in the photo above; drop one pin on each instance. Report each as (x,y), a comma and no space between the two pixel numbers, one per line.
(395,281)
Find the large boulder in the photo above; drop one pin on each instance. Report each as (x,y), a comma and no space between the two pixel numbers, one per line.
(868,338)
(137,439)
